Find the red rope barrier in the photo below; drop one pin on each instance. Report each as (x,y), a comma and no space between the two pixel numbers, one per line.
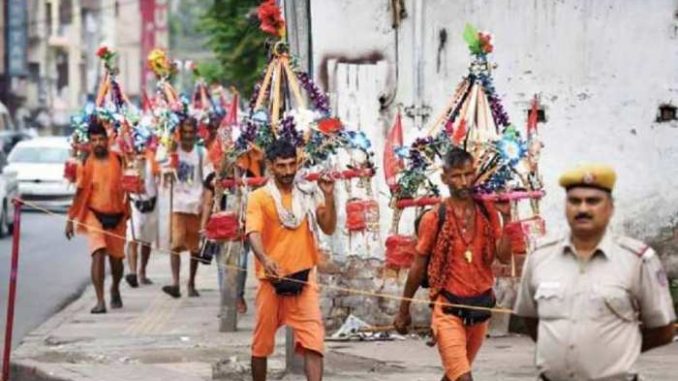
(12,289)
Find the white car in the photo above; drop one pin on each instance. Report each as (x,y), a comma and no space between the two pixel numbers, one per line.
(39,167)
(8,191)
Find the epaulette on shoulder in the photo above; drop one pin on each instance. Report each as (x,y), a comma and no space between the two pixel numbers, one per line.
(545,242)
(638,248)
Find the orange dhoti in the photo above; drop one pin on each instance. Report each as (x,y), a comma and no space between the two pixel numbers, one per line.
(112,241)
(457,344)
(301,313)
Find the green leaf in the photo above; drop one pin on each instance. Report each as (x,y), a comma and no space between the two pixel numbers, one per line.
(471,38)
(238,44)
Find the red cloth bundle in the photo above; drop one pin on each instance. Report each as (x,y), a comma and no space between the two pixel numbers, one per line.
(174,160)
(371,213)
(223,226)
(71,170)
(355,216)
(514,232)
(400,251)
(131,182)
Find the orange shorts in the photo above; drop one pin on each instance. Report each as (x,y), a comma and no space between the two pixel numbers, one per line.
(185,232)
(301,313)
(457,344)
(112,241)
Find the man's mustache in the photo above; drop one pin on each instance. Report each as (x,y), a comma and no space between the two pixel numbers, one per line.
(583,216)
(463,191)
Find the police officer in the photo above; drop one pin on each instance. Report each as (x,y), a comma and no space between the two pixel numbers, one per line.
(593,300)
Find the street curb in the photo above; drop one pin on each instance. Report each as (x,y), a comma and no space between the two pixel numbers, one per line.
(30,371)
(23,369)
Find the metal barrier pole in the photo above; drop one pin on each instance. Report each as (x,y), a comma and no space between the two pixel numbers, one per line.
(12,289)
(230,253)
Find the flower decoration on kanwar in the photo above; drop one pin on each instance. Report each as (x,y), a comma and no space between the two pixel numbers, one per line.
(271,19)
(473,119)
(129,135)
(287,104)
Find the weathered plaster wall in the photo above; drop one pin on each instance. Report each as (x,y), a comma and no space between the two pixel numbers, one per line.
(601,68)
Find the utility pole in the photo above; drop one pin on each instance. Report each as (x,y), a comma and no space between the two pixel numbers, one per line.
(297,14)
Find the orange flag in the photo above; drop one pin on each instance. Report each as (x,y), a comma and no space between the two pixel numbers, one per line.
(392,164)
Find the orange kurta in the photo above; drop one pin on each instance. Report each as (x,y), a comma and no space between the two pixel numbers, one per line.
(99,187)
(293,251)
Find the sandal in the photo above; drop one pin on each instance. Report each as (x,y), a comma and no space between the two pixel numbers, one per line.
(116,300)
(132,280)
(172,291)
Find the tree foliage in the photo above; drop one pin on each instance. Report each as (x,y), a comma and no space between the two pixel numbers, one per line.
(239,46)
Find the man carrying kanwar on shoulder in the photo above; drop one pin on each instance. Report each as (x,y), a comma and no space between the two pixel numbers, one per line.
(142,227)
(187,201)
(282,226)
(100,210)
(457,243)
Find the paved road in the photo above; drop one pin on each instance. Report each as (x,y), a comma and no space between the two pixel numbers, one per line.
(52,271)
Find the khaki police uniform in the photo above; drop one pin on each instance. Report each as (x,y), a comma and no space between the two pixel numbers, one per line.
(589,311)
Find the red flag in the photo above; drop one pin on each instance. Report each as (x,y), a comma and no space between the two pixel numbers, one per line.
(533,117)
(460,133)
(392,164)
(215,152)
(147,103)
(232,113)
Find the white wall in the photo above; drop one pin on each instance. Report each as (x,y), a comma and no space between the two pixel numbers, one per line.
(128,44)
(601,67)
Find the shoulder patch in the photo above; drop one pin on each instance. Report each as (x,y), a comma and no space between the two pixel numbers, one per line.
(639,248)
(545,242)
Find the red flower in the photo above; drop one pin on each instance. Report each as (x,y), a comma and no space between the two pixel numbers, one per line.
(329,125)
(102,52)
(271,18)
(486,42)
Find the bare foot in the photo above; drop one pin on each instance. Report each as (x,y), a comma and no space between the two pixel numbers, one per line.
(145,281)
(192,292)
(100,308)
(241,306)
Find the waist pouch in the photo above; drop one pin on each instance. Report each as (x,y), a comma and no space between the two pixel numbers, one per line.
(292,284)
(145,206)
(470,316)
(108,220)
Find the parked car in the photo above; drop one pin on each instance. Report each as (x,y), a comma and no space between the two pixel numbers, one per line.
(9,139)
(8,191)
(39,167)
(5,119)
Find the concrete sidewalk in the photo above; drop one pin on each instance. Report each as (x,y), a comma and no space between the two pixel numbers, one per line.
(155,337)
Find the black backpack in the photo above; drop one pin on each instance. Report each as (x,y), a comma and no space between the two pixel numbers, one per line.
(442,211)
